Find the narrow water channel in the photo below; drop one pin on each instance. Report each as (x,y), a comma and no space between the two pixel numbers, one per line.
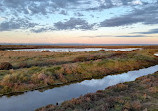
(32,100)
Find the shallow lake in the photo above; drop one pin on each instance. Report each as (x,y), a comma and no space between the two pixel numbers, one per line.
(76,49)
(32,100)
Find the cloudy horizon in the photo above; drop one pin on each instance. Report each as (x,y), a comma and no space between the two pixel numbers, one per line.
(79,21)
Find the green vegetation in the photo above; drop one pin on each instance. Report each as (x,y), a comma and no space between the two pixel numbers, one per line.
(139,95)
(11,47)
(41,69)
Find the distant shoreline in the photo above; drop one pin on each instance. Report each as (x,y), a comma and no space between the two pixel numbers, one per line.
(14,47)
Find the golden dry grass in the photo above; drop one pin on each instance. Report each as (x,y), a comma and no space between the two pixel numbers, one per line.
(38,69)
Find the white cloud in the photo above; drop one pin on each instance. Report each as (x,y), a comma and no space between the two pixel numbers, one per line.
(2,19)
(137,2)
(29,11)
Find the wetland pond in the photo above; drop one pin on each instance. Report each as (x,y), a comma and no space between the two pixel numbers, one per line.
(76,49)
(32,100)
(156,54)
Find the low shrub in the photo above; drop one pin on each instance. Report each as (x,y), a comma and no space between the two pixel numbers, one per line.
(23,65)
(136,105)
(120,87)
(86,58)
(5,66)
(80,59)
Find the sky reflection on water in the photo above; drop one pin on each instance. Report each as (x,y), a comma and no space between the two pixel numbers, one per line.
(77,49)
(35,99)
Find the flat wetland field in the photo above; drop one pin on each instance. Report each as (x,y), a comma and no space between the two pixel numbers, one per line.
(11,47)
(22,71)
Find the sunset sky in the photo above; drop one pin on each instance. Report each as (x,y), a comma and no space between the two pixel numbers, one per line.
(79,21)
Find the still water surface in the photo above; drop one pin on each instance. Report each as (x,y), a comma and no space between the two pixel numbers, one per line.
(76,49)
(156,54)
(32,100)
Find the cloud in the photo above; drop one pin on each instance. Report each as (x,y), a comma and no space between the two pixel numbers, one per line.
(121,21)
(63,12)
(36,6)
(43,29)
(51,6)
(2,19)
(35,9)
(132,36)
(106,4)
(78,14)
(137,2)
(97,36)
(152,31)
(73,23)
(14,24)
(146,15)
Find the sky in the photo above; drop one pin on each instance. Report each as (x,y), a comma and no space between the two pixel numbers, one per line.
(79,21)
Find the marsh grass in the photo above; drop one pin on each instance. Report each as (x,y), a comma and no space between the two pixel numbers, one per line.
(40,69)
(121,97)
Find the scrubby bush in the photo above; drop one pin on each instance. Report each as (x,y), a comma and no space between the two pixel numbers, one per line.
(23,65)
(136,105)
(120,87)
(87,58)
(41,76)
(5,66)
(80,59)
(153,90)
